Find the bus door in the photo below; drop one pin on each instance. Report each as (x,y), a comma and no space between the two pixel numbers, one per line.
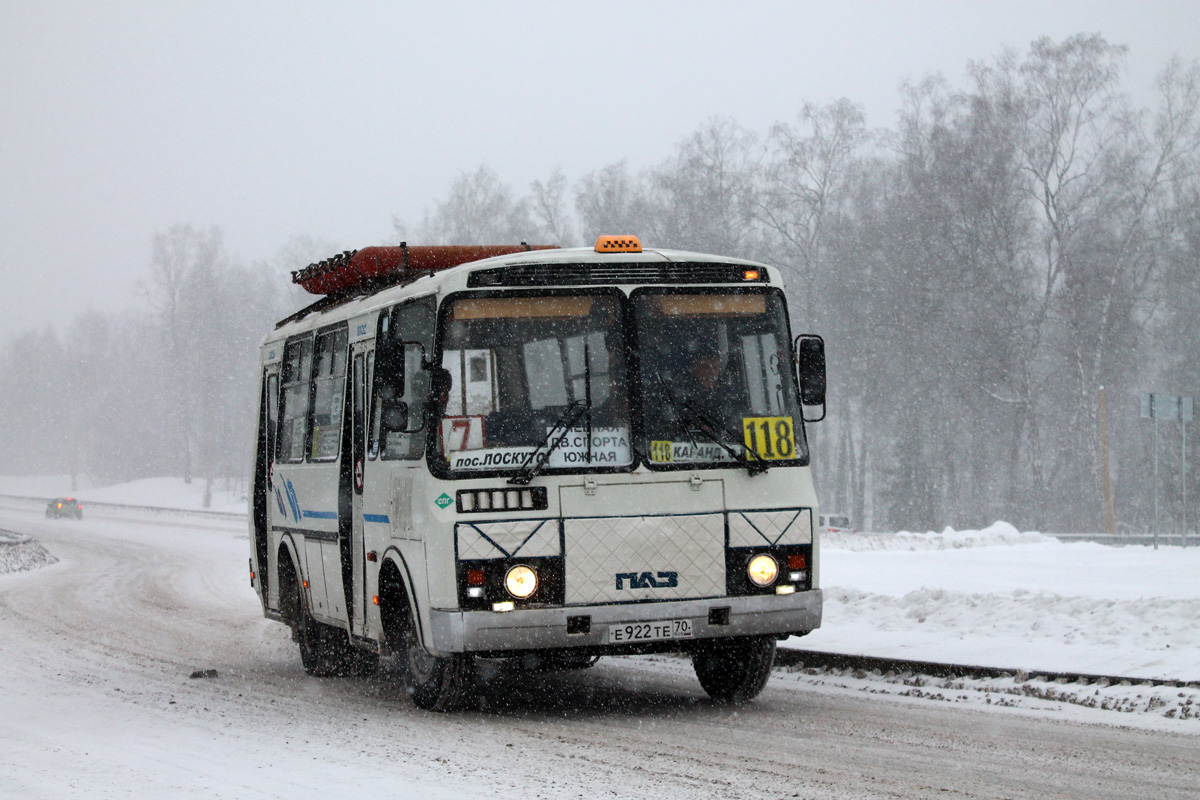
(309,464)
(264,463)
(353,546)
(396,429)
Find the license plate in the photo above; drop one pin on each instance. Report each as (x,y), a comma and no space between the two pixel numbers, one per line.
(650,631)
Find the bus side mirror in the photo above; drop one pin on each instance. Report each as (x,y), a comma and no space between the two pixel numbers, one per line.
(809,352)
(395,416)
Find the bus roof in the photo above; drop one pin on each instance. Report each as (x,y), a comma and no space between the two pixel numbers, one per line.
(573,267)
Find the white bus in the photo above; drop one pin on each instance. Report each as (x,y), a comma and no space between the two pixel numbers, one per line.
(541,455)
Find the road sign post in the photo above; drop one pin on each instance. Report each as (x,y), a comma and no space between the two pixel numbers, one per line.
(1172,408)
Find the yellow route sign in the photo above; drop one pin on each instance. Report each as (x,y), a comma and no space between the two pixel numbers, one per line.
(769,438)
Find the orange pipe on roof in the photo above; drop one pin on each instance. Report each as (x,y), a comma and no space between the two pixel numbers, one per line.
(372,263)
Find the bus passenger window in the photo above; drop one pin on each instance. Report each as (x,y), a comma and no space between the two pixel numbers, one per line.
(329,384)
(293,416)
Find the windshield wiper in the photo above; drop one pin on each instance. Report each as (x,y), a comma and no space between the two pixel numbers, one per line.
(714,433)
(535,463)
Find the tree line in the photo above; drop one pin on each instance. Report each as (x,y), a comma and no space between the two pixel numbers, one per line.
(979,271)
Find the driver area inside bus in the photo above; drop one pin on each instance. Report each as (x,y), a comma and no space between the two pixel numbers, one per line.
(528,374)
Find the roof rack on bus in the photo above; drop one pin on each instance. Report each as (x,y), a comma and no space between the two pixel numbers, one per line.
(375,268)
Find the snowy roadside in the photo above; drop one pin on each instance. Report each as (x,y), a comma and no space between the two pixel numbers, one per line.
(20,553)
(1003,598)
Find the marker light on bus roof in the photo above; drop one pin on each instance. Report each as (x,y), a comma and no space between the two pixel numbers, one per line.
(618,244)
(750,275)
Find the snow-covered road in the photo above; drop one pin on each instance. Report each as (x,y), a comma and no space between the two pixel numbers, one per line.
(96,701)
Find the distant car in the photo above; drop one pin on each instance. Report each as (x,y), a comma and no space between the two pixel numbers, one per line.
(64,507)
(834,523)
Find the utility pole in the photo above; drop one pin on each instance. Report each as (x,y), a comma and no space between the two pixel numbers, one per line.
(1185,416)
(1110,516)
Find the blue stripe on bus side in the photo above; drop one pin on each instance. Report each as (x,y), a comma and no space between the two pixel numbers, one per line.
(319,514)
(375,518)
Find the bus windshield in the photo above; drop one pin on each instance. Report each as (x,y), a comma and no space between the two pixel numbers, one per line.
(534,380)
(716,379)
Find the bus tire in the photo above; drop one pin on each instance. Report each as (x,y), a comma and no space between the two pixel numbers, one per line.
(734,670)
(319,652)
(435,683)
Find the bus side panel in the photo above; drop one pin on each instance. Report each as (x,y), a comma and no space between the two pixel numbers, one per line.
(314,573)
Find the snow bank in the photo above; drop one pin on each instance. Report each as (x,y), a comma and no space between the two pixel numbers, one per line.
(998,534)
(19,553)
(1000,597)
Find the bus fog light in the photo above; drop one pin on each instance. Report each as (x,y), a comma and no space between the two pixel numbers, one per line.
(785,588)
(795,577)
(507,605)
(521,581)
(475,592)
(762,570)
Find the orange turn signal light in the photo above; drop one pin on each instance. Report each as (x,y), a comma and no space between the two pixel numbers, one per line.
(375,599)
(797,561)
(618,244)
(474,577)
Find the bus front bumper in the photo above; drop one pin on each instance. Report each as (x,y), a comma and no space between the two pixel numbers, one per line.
(453,631)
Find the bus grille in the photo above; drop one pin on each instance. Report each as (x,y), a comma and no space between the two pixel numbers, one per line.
(684,556)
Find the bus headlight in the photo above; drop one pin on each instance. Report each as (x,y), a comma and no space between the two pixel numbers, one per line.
(762,570)
(521,582)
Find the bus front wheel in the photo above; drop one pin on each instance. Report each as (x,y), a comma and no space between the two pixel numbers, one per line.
(435,683)
(734,670)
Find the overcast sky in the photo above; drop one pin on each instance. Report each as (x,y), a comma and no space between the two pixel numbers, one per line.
(119,119)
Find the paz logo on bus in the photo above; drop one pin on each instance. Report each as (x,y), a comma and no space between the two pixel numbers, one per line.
(647,580)
(443,501)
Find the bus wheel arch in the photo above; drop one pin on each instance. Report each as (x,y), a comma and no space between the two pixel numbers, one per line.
(324,650)
(435,683)
(287,584)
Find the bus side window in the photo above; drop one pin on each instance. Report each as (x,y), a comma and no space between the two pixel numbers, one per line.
(372,431)
(272,414)
(329,385)
(401,384)
(293,416)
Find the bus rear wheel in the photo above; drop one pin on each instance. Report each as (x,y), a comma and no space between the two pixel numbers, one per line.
(734,670)
(325,650)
